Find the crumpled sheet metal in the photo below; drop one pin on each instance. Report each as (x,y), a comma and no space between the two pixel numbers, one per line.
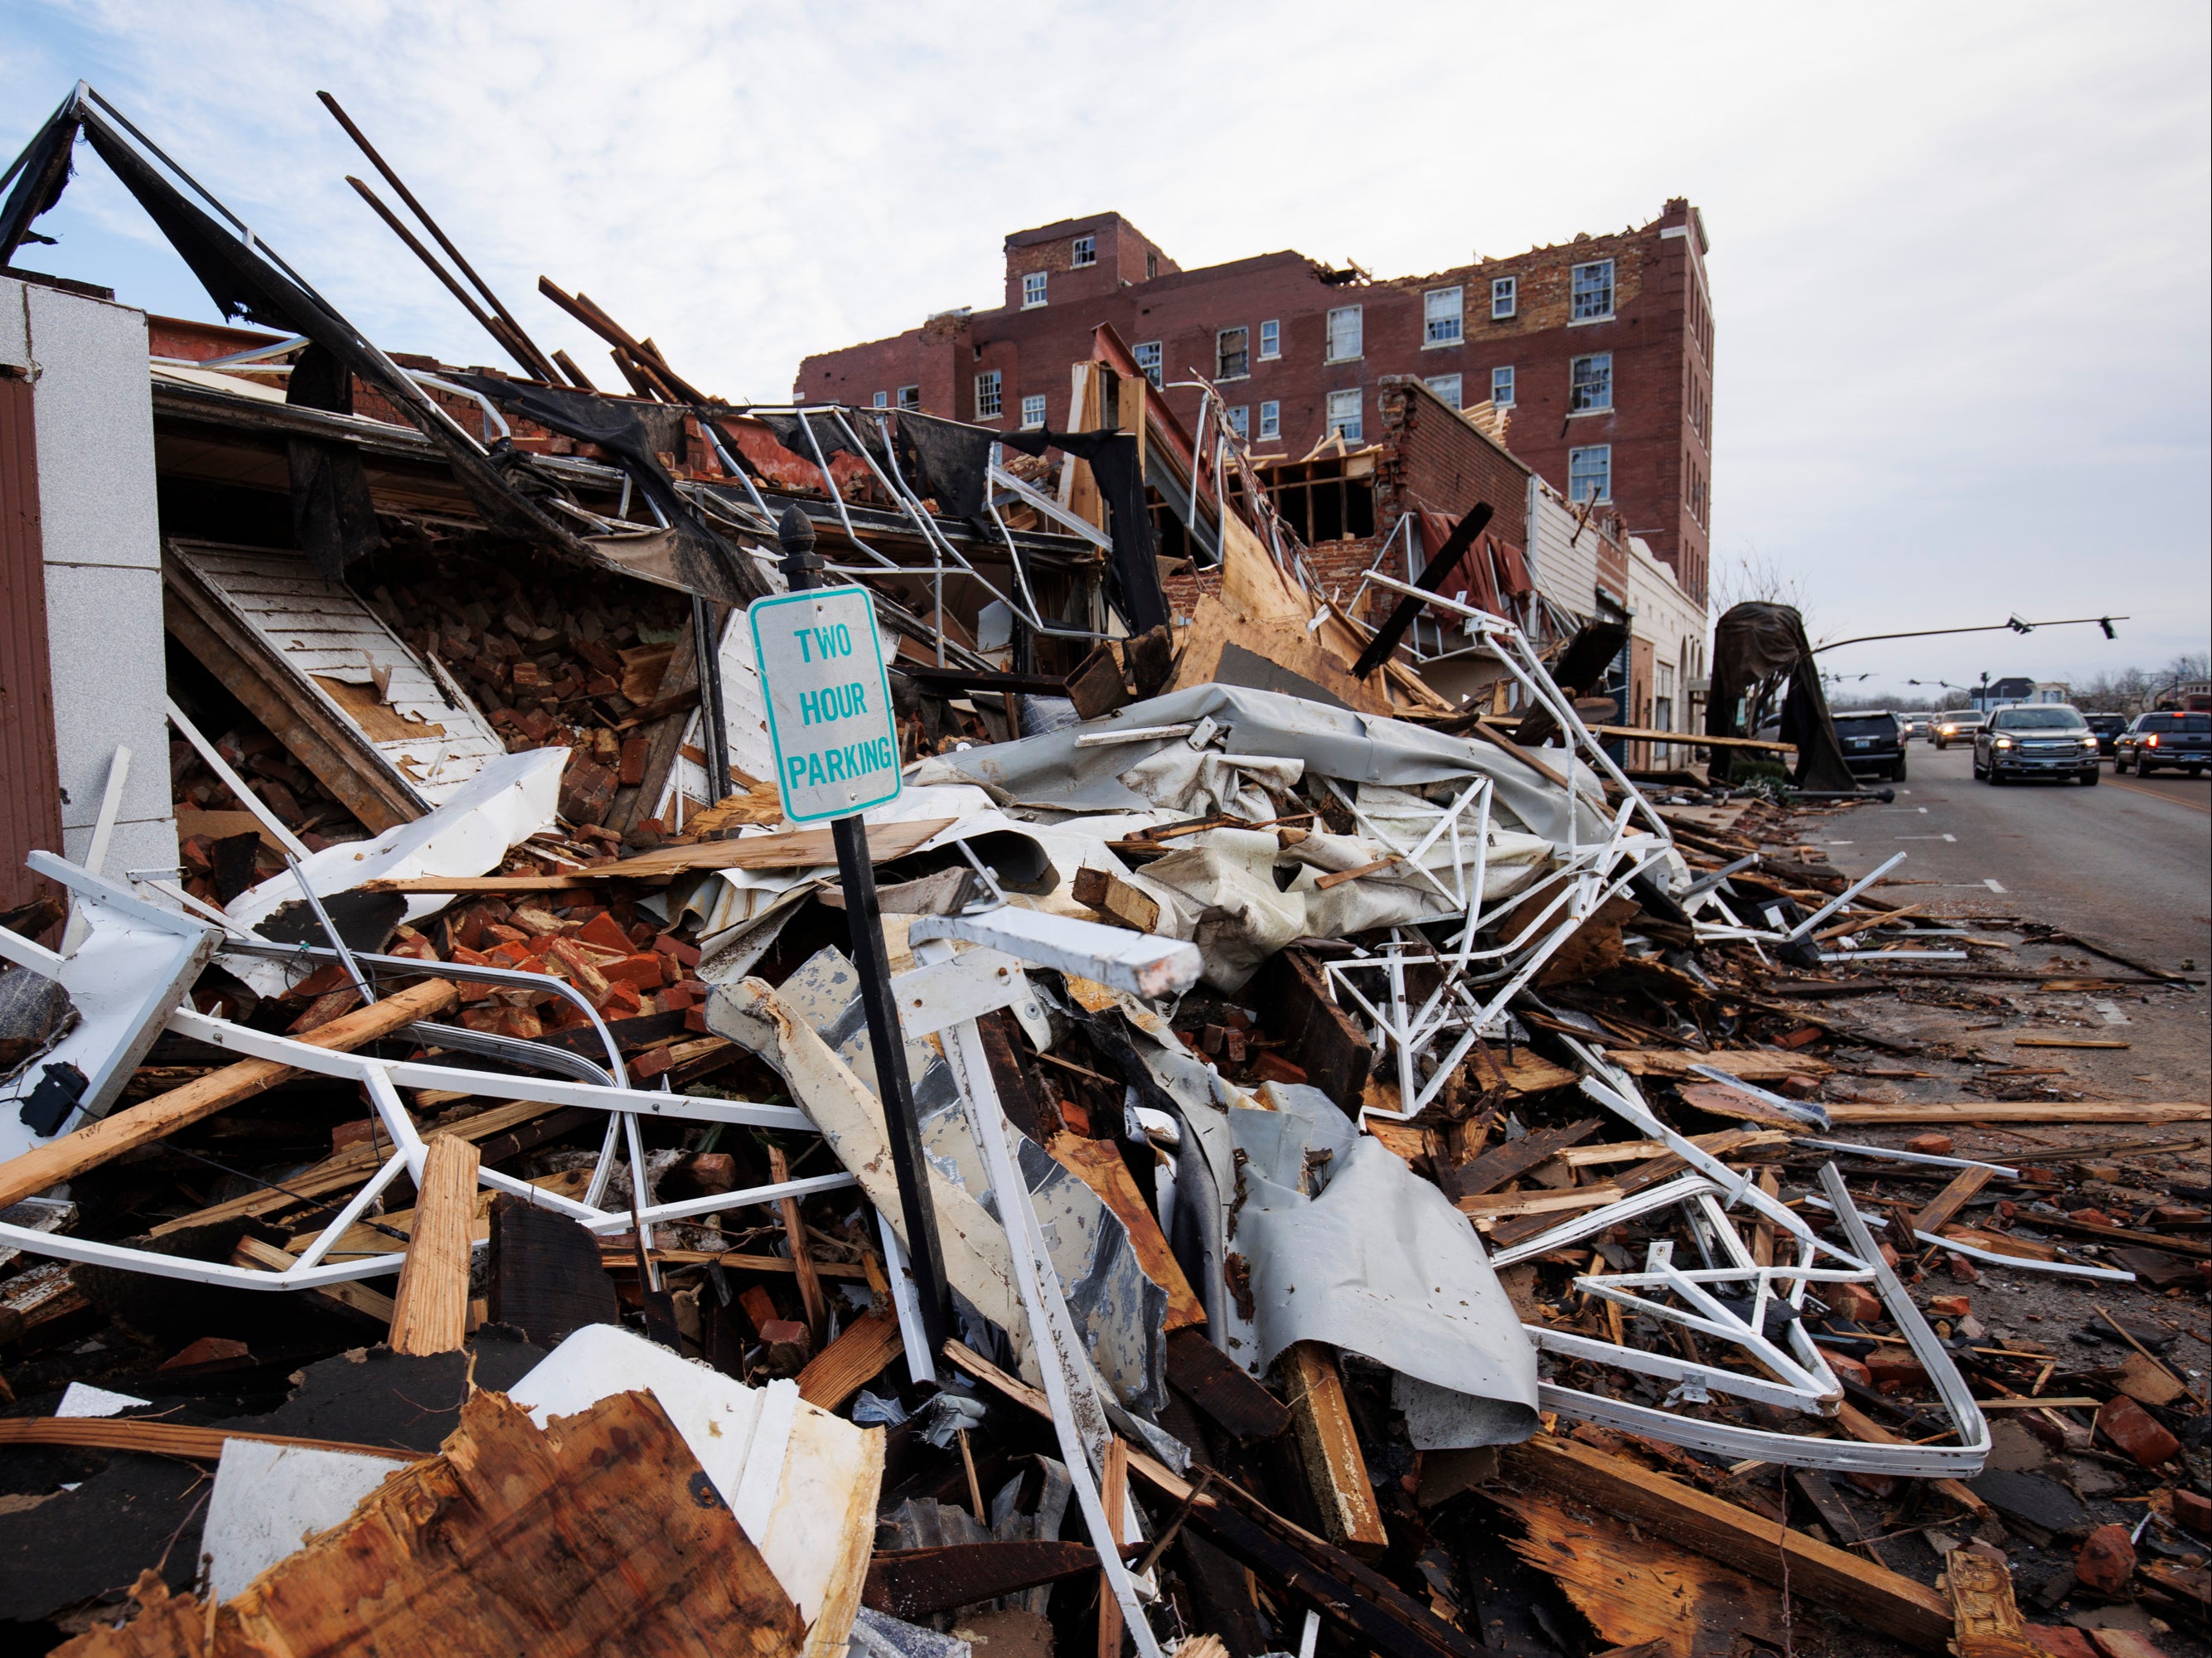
(1120,1313)
(1052,771)
(1347,1246)
(511,798)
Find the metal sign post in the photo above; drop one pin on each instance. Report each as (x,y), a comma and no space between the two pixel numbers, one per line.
(836,755)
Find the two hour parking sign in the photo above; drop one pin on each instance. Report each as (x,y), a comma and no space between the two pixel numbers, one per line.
(828,702)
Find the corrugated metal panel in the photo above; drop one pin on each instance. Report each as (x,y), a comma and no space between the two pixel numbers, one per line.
(431,736)
(30,780)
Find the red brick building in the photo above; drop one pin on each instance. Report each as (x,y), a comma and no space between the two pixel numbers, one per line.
(1602,348)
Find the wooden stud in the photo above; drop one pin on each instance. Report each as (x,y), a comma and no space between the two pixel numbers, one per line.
(1953,1198)
(853,1359)
(1334,1466)
(355,1297)
(802,1256)
(1113,1497)
(430,1313)
(164,1115)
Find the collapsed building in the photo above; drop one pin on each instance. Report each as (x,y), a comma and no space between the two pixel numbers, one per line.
(1359,1097)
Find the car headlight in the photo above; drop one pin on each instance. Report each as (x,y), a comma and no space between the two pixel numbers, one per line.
(2088,742)
(2004,742)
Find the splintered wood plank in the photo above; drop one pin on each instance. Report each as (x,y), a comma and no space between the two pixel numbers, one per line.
(2026,1111)
(1948,1202)
(1335,1468)
(912,1583)
(430,1314)
(853,1361)
(797,849)
(1987,1622)
(802,1253)
(1746,1064)
(1882,1599)
(1637,1590)
(1113,1497)
(597,1533)
(360,1298)
(157,1438)
(165,1114)
(1516,1157)
(1098,1164)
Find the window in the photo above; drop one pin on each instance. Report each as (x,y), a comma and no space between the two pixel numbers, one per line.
(988,404)
(1501,388)
(1593,291)
(1447,387)
(1239,422)
(1504,296)
(1344,413)
(910,397)
(1440,311)
(1271,421)
(1033,289)
(1086,252)
(880,400)
(1271,341)
(1232,359)
(1148,359)
(1345,325)
(1589,473)
(1151,266)
(1033,412)
(1589,387)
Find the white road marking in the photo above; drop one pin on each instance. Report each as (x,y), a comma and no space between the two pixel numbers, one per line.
(2112,1014)
(1993,885)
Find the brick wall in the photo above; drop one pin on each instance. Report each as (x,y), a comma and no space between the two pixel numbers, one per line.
(1433,459)
(1660,336)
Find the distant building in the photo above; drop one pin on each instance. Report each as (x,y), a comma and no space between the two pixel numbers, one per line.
(1602,347)
(2006,693)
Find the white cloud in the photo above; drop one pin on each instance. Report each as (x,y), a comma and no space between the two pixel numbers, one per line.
(1960,260)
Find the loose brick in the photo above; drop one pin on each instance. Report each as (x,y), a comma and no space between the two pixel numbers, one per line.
(2133,1429)
(1852,1301)
(1929,1145)
(2107,1560)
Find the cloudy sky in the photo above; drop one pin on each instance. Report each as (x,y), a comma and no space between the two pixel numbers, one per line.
(1959,252)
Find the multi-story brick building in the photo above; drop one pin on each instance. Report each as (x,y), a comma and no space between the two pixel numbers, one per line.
(1602,348)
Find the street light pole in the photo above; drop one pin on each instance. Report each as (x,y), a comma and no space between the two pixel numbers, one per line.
(863,916)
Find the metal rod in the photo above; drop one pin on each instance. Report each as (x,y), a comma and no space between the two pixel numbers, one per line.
(864,916)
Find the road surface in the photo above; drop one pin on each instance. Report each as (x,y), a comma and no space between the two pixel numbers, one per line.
(2128,864)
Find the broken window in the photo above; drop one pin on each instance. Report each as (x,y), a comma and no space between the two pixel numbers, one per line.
(987,401)
(1344,326)
(1240,421)
(1271,341)
(1232,357)
(1589,472)
(1501,388)
(1344,414)
(910,397)
(1504,296)
(1593,291)
(1148,359)
(1033,412)
(1441,311)
(1086,252)
(1447,387)
(1271,420)
(1033,287)
(1590,388)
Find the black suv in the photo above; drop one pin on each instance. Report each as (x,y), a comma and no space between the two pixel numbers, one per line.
(1873,742)
(2036,740)
(2107,727)
(2182,742)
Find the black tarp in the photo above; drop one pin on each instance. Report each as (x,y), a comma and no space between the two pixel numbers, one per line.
(333,514)
(707,565)
(1754,646)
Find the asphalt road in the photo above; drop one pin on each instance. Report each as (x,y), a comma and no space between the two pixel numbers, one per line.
(2128,864)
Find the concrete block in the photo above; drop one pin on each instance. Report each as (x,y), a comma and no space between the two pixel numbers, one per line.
(95,422)
(105,644)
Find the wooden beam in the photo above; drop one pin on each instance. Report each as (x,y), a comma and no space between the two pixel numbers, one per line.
(2025,1110)
(849,1364)
(1113,1497)
(355,1297)
(1098,1164)
(1883,1600)
(430,1314)
(1516,1157)
(797,849)
(1865,1428)
(912,1583)
(1986,1621)
(1948,1202)
(124,1131)
(802,1255)
(152,1438)
(1334,1466)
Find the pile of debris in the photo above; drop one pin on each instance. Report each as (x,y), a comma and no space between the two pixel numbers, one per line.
(1353,1171)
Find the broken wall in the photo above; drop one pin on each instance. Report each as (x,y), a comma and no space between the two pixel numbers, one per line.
(92,413)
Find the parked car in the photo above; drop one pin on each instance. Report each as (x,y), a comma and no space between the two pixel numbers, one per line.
(1873,742)
(1958,725)
(2107,728)
(2181,743)
(1920,726)
(2036,740)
